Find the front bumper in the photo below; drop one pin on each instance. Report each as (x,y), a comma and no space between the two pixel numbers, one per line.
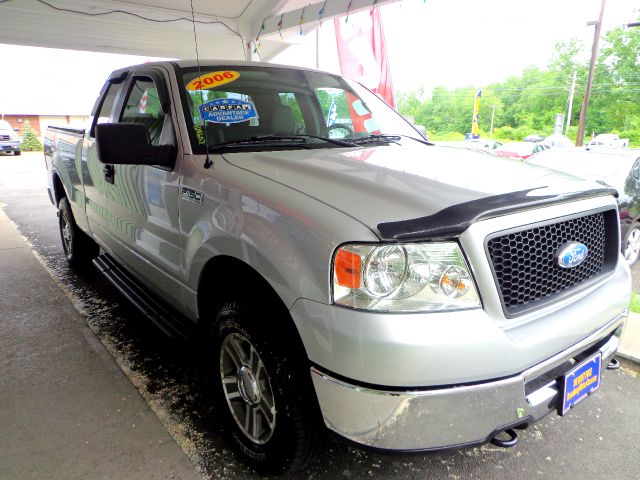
(9,147)
(454,416)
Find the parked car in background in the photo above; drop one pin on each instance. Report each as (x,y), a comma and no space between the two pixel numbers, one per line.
(9,140)
(608,140)
(481,144)
(558,141)
(519,150)
(534,137)
(617,168)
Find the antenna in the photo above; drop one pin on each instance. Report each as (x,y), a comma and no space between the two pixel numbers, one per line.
(207,161)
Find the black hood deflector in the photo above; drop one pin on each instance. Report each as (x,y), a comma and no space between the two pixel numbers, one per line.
(452,221)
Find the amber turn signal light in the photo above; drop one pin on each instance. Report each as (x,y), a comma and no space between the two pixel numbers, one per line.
(347,267)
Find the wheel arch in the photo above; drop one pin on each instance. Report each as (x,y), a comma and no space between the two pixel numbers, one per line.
(58,188)
(225,278)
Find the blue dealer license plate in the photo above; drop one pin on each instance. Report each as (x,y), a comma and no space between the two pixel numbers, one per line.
(581,381)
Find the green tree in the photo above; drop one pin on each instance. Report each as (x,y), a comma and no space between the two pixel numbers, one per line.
(30,141)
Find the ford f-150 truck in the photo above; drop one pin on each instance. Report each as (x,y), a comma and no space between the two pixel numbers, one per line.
(347,273)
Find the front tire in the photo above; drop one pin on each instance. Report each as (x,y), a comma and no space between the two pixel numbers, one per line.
(79,248)
(17,152)
(262,388)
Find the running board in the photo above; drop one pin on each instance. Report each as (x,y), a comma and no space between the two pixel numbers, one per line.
(170,321)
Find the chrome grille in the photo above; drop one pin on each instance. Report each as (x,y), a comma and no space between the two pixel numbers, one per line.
(525,267)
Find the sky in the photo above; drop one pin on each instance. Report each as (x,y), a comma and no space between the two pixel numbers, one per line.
(462,42)
(429,42)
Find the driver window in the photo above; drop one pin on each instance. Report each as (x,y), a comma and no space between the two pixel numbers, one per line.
(143,106)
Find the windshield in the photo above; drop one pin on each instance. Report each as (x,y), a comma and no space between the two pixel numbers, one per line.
(248,106)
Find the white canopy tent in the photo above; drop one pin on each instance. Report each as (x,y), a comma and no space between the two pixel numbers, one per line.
(225,29)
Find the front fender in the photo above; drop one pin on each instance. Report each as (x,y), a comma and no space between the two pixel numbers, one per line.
(286,236)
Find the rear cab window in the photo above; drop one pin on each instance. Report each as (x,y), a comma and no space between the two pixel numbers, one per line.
(103,115)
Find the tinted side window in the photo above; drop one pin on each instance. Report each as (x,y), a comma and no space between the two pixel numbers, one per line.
(143,106)
(104,114)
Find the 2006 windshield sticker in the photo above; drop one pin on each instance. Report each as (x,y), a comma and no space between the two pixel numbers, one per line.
(212,79)
(227,110)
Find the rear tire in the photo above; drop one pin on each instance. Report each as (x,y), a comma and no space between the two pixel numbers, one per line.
(264,391)
(79,248)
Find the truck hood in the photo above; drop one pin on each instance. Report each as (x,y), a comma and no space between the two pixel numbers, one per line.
(414,190)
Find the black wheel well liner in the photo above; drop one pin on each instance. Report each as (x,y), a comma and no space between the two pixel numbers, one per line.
(58,189)
(225,278)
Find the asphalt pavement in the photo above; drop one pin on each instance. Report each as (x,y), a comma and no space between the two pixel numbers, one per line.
(78,365)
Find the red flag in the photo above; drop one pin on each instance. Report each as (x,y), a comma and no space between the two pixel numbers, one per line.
(142,107)
(363,53)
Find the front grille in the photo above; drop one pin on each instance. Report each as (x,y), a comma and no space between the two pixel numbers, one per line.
(524,264)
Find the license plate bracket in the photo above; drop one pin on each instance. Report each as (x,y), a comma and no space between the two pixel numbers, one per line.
(580,382)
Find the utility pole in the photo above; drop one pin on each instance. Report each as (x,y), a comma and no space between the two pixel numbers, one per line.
(592,68)
(571,93)
(318,48)
(493,112)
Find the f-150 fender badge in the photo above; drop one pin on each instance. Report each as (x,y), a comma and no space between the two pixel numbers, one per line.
(193,196)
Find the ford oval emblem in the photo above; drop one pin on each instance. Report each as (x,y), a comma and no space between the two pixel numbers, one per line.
(571,254)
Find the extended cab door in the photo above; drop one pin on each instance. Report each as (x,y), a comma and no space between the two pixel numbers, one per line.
(143,200)
(91,169)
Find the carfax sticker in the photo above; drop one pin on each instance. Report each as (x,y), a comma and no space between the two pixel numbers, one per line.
(227,110)
(212,79)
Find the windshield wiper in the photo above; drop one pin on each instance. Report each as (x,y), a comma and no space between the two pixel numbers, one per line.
(419,140)
(376,139)
(387,139)
(337,141)
(296,139)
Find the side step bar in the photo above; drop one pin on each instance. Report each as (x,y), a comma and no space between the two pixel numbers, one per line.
(170,321)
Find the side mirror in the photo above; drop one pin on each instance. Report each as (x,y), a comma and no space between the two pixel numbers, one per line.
(128,144)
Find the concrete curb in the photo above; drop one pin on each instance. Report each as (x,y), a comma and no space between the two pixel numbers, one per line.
(629,352)
(68,410)
(631,364)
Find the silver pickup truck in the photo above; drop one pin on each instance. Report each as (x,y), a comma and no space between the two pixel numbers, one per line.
(340,268)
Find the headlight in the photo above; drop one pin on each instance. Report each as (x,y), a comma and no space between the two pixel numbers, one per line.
(418,277)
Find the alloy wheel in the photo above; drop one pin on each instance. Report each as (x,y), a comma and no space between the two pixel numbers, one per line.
(632,246)
(247,388)
(65,230)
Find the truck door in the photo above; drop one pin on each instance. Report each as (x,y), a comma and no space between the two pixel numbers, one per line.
(143,203)
(91,169)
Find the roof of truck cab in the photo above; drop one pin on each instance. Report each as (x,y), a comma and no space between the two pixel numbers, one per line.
(192,63)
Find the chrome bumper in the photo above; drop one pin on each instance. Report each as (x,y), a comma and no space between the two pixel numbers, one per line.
(452,416)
